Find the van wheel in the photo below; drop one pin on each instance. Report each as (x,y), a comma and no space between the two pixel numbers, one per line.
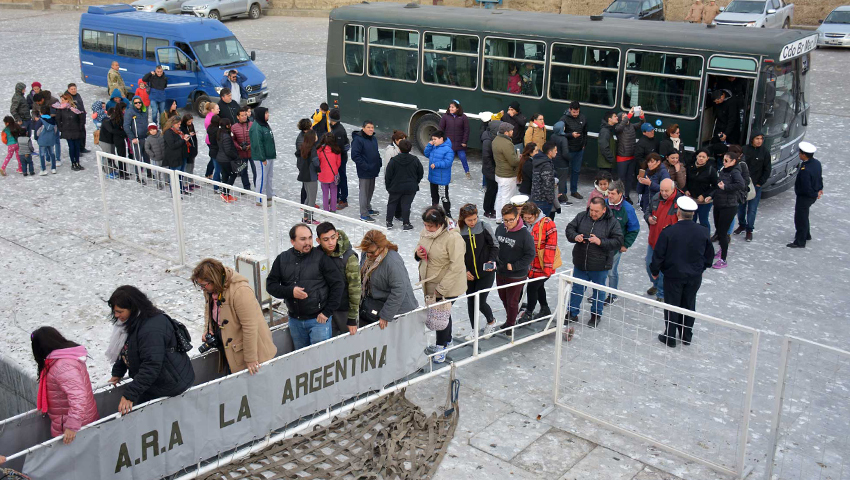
(161,11)
(214,15)
(199,105)
(787,23)
(423,129)
(255,12)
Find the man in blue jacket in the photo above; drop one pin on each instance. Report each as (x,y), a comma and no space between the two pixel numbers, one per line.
(809,188)
(136,127)
(365,154)
(440,158)
(624,212)
(235,81)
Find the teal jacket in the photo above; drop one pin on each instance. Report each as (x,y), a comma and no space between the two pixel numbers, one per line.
(628,221)
(262,143)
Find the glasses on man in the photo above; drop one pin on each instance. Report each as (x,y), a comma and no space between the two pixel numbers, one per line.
(509,219)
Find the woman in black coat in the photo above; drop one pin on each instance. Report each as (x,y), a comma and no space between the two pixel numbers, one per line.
(71,123)
(700,184)
(227,155)
(730,192)
(147,349)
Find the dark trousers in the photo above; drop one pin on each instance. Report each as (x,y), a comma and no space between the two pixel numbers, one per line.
(490,189)
(342,188)
(444,336)
(576,159)
(682,293)
(246,180)
(83,140)
(440,193)
(626,172)
(801,219)
(74,150)
(399,202)
(536,293)
(340,322)
(510,297)
(723,217)
(472,286)
(228,176)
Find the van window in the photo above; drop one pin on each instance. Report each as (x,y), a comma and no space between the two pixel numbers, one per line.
(95,41)
(129,46)
(173,59)
(394,54)
(354,49)
(151,44)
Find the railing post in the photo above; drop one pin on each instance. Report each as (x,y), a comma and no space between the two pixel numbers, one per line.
(748,400)
(102,177)
(178,215)
(476,323)
(275,240)
(559,334)
(777,407)
(264,202)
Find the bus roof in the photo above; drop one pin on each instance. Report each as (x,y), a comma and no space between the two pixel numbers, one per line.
(679,35)
(187,27)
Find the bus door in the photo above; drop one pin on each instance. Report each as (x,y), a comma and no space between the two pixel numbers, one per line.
(737,77)
(182,73)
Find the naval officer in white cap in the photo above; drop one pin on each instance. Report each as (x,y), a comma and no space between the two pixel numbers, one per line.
(809,188)
(683,251)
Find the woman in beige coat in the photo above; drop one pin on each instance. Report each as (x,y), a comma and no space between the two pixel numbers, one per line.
(536,131)
(233,315)
(442,272)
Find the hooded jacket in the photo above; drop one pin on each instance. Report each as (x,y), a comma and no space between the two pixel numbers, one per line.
(516,247)
(154,364)
(111,133)
(442,156)
(608,146)
(20,109)
(329,163)
(543,180)
(488,164)
(176,149)
(155,147)
(70,121)
(726,116)
(115,94)
(136,121)
(535,134)
(226,149)
(70,399)
(46,133)
(404,172)
(245,334)
(390,283)
(346,261)
(142,93)
(518,121)
(365,154)
(262,139)
(97,109)
(588,256)
(316,273)
(481,247)
(758,161)
(627,135)
(456,128)
(505,156)
(647,191)
(443,273)
(562,160)
(627,217)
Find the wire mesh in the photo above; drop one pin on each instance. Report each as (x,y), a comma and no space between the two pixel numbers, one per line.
(813,442)
(692,398)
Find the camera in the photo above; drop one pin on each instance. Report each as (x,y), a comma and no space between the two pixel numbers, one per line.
(210,342)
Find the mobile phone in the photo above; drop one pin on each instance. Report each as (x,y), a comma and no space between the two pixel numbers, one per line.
(641,173)
(637,110)
(489,266)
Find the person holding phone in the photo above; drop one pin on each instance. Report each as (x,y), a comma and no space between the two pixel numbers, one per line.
(480,257)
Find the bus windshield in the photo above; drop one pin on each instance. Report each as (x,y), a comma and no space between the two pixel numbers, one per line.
(780,97)
(841,17)
(745,7)
(221,51)
(621,6)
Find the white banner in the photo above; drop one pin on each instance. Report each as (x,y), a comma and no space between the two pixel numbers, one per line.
(795,49)
(168,435)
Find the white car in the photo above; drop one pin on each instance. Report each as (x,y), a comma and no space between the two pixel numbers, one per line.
(834,31)
(757,13)
(221,9)
(158,6)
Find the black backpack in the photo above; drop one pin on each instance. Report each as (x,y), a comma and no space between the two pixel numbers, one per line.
(181,333)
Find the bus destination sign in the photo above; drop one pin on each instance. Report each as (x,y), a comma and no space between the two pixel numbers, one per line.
(798,48)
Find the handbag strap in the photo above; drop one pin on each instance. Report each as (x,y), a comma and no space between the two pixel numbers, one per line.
(326,161)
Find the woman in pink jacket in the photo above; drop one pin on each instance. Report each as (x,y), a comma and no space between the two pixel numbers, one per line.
(64,388)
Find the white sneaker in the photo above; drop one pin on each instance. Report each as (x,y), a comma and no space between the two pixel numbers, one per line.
(441,356)
(435,348)
(58,163)
(489,330)
(43,173)
(52,170)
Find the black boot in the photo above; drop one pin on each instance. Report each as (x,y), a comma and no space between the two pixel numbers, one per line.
(594,320)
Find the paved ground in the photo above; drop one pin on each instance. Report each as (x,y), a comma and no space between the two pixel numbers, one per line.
(58,270)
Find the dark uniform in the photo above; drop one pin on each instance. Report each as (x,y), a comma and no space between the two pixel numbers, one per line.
(683,251)
(808,185)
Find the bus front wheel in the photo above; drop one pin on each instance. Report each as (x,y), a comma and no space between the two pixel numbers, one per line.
(423,129)
(199,105)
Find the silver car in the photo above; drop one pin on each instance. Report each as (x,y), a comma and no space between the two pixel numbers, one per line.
(158,6)
(834,31)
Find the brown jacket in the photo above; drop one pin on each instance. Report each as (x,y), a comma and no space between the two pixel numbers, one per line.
(709,12)
(536,135)
(444,271)
(695,13)
(680,177)
(244,332)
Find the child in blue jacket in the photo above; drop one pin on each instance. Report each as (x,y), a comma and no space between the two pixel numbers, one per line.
(440,158)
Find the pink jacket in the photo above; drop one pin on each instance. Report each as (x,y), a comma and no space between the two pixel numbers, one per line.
(70,398)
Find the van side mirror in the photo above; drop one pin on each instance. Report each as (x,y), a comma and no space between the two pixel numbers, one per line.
(253,56)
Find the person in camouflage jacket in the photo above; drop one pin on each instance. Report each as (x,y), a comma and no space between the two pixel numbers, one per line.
(336,245)
(20,109)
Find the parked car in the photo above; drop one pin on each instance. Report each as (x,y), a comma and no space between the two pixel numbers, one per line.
(834,30)
(221,9)
(757,13)
(639,9)
(158,6)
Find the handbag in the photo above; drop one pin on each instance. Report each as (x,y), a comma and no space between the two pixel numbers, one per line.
(556,264)
(336,174)
(751,192)
(181,333)
(438,316)
(370,309)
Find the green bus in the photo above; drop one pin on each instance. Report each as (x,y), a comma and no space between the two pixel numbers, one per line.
(400,66)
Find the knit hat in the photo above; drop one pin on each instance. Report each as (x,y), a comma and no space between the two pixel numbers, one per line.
(36,84)
(334,115)
(505,127)
(515,106)
(646,128)
(152,126)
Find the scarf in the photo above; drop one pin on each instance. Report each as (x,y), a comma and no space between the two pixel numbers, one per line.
(603,192)
(676,142)
(539,125)
(369,266)
(518,226)
(436,233)
(116,342)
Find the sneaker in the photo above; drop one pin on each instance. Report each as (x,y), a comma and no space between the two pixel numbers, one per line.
(441,356)
(341,205)
(739,230)
(232,198)
(43,173)
(489,330)
(717,255)
(505,325)
(544,312)
(794,245)
(610,299)
(576,195)
(468,176)
(659,299)
(367,219)
(226,198)
(570,319)
(399,219)
(85,150)
(371,212)
(525,318)
(714,237)
(80,168)
(316,222)
(58,163)
(562,198)
(389,224)
(652,291)
(490,215)
(435,348)
(3,172)
(52,170)
(719,264)
(19,171)
(749,236)
(407,226)
(111,176)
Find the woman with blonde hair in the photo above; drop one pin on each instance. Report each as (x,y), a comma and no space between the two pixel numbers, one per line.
(233,317)
(385,286)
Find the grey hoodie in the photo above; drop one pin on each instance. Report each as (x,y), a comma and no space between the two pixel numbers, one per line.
(488,164)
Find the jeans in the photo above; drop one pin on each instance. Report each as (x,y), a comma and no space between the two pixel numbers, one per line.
(329,196)
(440,193)
(57,149)
(575,169)
(613,274)
(308,332)
(747,212)
(545,208)
(157,108)
(367,190)
(658,283)
(703,212)
(626,172)
(507,189)
(577,292)
(342,188)
(462,155)
(27,166)
(74,150)
(46,154)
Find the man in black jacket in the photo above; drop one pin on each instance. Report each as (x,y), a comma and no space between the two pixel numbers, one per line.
(645,145)
(757,158)
(515,117)
(342,141)
(228,108)
(682,252)
(809,188)
(598,237)
(402,177)
(310,284)
(725,123)
(575,129)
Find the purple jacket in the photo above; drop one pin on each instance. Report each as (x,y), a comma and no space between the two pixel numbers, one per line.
(456,129)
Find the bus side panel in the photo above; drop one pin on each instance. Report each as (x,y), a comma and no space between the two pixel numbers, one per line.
(343,90)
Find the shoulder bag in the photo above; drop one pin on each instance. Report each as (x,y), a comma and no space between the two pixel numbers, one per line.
(336,174)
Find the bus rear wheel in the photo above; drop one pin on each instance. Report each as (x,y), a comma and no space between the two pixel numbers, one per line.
(423,129)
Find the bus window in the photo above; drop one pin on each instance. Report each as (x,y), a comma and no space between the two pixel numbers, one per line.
(663,83)
(587,74)
(354,48)
(95,41)
(514,66)
(780,101)
(450,60)
(130,46)
(151,44)
(394,54)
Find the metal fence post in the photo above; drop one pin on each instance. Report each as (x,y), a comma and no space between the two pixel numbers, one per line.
(559,333)
(476,324)
(264,202)
(178,216)
(748,401)
(275,240)
(102,177)
(777,407)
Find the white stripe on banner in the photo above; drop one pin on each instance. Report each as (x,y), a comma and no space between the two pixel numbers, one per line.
(159,438)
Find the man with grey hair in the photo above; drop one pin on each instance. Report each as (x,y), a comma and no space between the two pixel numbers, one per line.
(625,214)
(661,213)
(682,252)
